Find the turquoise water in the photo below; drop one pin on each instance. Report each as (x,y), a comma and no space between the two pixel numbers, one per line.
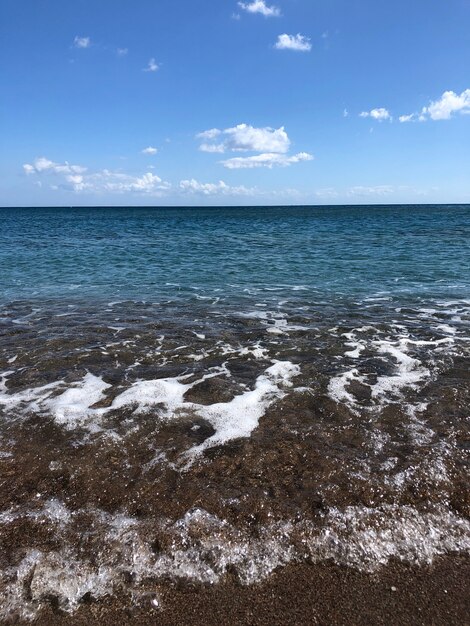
(153,253)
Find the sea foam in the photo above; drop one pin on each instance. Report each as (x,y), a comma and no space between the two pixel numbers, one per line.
(201,547)
(73,408)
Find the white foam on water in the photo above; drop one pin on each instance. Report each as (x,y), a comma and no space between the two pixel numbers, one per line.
(195,357)
(278,327)
(256,351)
(166,393)
(368,538)
(29,399)
(52,574)
(409,372)
(281,326)
(70,409)
(52,510)
(358,348)
(276,323)
(3,380)
(239,417)
(424,342)
(338,388)
(202,547)
(73,407)
(231,420)
(446,328)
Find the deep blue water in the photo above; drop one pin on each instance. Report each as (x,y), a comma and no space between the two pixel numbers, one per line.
(153,253)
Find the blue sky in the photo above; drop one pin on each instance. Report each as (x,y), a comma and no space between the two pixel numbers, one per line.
(170,102)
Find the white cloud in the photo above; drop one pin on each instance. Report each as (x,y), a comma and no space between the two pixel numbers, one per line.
(260,6)
(118,182)
(379,190)
(328,192)
(449,103)
(152,66)
(377,114)
(122,52)
(272,144)
(42,165)
(345,113)
(212,133)
(80,180)
(407,118)
(245,138)
(268,160)
(82,42)
(147,183)
(209,189)
(150,151)
(293,42)
(77,178)
(212,147)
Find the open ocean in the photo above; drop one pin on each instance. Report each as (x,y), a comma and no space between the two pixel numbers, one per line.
(203,393)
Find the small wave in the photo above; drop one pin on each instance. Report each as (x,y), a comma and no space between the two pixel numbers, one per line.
(202,547)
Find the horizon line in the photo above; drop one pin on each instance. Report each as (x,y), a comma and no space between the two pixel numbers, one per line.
(230,206)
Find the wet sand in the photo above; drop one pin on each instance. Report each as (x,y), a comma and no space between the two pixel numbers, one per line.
(324,594)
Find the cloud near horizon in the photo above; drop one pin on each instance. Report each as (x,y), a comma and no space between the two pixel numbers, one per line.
(360,191)
(220,188)
(79,180)
(268,160)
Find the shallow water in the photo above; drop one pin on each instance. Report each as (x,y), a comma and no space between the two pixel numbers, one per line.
(202,393)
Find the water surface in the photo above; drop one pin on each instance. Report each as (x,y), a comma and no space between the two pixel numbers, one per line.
(199,394)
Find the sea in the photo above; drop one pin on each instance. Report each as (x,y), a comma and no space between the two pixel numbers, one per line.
(197,394)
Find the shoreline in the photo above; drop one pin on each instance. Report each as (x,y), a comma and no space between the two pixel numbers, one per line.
(323,594)
(293,404)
